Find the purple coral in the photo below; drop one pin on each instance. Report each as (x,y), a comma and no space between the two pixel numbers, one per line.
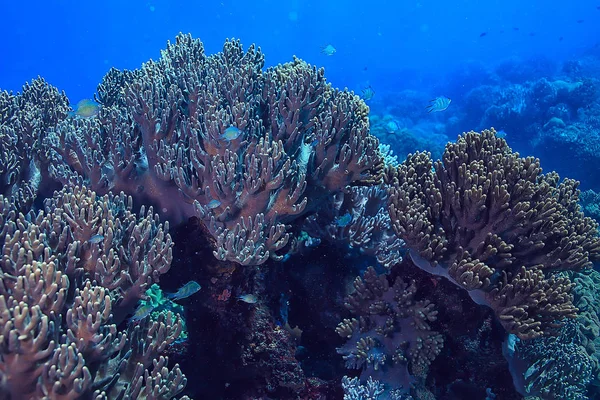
(301,142)
(62,298)
(390,339)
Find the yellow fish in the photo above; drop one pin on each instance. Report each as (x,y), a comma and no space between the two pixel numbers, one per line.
(86,108)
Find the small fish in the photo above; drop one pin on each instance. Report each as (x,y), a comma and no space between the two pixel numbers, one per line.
(213,204)
(482,34)
(501,134)
(142,312)
(248,298)
(515,29)
(185,291)
(328,50)
(560,39)
(580,21)
(96,239)
(343,220)
(231,133)
(532,34)
(86,108)
(392,126)
(438,104)
(368,93)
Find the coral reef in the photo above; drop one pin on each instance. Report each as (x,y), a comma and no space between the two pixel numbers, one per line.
(368,226)
(24,120)
(590,203)
(248,151)
(63,295)
(255,166)
(566,365)
(391,339)
(549,116)
(493,224)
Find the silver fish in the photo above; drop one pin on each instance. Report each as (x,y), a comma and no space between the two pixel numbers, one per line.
(231,133)
(96,239)
(438,104)
(142,312)
(328,50)
(368,93)
(248,298)
(214,203)
(185,291)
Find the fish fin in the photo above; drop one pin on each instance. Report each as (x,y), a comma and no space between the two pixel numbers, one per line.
(171,296)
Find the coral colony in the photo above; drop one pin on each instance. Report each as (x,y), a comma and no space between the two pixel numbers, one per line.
(479,255)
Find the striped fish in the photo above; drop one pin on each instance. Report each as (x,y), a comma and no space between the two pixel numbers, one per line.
(438,104)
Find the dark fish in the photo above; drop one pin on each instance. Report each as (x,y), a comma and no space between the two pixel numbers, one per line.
(482,34)
(515,29)
(580,21)
(560,39)
(532,34)
(365,68)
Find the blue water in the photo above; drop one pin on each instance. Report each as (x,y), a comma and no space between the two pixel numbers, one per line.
(401,44)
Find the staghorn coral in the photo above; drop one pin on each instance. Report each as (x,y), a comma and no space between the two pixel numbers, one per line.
(391,340)
(300,141)
(62,297)
(495,225)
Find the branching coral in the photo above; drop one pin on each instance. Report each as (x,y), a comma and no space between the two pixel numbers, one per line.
(24,120)
(292,142)
(369,227)
(564,366)
(391,340)
(62,295)
(495,225)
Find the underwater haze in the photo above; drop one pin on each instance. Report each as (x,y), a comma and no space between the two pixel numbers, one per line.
(316,200)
